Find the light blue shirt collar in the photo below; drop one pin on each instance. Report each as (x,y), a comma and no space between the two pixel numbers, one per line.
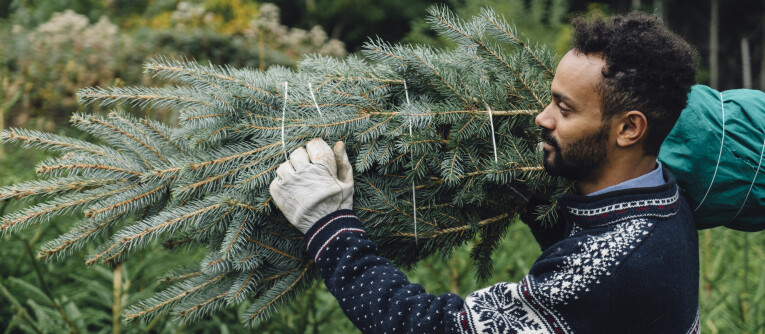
(653,178)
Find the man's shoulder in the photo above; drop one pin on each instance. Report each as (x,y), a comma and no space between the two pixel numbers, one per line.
(601,247)
(626,233)
(618,269)
(658,224)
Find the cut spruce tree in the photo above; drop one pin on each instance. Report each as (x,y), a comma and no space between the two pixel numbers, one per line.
(443,145)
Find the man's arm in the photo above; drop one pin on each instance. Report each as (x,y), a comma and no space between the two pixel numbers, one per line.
(377,297)
(374,294)
(314,190)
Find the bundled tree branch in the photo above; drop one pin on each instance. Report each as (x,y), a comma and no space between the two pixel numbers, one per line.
(205,183)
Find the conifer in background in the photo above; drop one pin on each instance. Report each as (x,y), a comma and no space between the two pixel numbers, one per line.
(446,136)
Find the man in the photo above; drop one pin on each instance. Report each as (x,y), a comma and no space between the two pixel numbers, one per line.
(623,257)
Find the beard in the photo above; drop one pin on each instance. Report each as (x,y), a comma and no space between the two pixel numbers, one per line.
(577,160)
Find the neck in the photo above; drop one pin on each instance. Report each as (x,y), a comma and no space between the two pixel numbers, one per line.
(617,171)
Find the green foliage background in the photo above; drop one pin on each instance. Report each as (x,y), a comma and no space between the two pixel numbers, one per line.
(68,296)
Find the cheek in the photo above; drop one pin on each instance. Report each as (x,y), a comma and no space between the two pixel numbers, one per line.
(566,134)
(572,129)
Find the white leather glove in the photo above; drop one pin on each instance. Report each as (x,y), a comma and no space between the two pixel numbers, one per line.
(314,182)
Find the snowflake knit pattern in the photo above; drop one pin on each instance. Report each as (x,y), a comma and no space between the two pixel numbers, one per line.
(619,262)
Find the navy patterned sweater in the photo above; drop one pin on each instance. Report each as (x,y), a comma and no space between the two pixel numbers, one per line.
(619,262)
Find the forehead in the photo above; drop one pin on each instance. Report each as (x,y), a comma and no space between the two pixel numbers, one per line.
(577,77)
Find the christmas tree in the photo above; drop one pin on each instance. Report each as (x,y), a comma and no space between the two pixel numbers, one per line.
(443,145)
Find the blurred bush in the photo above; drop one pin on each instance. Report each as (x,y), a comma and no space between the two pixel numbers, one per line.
(193,31)
(43,65)
(47,53)
(48,63)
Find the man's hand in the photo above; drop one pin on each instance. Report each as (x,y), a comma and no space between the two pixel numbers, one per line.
(314,182)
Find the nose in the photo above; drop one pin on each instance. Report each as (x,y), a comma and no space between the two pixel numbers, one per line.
(545,118)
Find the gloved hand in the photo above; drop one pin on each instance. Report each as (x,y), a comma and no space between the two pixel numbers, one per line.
(314,182)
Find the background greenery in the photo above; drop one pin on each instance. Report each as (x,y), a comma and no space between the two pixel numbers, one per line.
(49,49)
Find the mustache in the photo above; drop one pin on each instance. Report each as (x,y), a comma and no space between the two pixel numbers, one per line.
(547,136)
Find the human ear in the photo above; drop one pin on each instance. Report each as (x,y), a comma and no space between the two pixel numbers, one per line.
(632,128)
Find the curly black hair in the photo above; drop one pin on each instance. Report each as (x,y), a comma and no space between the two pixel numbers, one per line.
(648,68)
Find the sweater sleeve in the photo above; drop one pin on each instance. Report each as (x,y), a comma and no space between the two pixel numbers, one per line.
(377,297)
(374,294)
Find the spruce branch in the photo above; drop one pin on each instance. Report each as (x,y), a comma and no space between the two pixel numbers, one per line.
(60,205)
(162,131)
(176,295)
(508,34)
(444,20)
(176,97)
(56,143)
(75,239)
(43,168)
(62,185)
(275,295)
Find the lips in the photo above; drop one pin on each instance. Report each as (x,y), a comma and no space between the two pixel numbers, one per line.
(549,141)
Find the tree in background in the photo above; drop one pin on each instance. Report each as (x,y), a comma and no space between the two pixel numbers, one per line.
(546,22)
(355,21)
(204,33)
(695,21)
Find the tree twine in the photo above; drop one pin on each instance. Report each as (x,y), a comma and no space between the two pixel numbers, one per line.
(284,112)
(310,89)
(493,139)
(414,193)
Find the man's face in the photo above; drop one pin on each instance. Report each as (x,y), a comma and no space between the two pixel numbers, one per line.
(576,138)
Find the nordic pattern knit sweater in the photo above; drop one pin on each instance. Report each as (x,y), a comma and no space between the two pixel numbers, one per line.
(619,262)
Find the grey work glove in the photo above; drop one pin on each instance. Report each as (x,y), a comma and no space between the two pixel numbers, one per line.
(314,182)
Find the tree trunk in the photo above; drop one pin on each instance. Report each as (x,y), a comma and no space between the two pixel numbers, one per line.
(2,109)
(261,48)
(636,4)
(2,127)
(10,94)
(117,301)
(746,63)
(714,45)
(660,9)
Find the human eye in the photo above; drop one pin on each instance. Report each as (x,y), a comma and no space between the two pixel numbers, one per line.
(563,108)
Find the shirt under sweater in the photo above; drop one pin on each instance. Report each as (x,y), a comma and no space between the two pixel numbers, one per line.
(624,261)
(651,179)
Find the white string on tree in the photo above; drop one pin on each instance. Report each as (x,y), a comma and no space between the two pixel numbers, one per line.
(310,89)
(493,139)
(284,113)
(414,193)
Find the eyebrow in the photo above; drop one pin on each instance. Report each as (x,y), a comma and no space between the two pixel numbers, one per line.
(564,98)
